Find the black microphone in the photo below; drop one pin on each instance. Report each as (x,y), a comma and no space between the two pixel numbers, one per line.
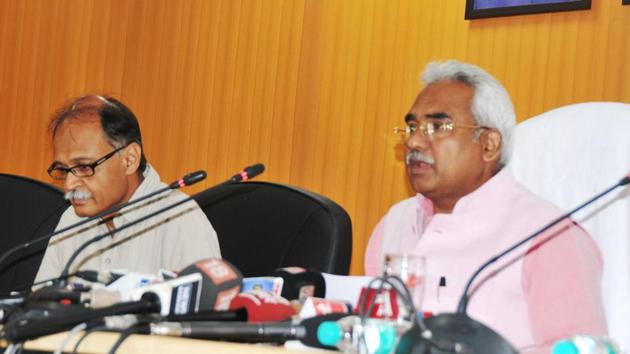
(69,316)
(262,332)
(463,301)
(300,284)
(247,173)
(187,180)
(458,329)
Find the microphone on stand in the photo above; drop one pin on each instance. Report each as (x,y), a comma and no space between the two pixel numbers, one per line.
(247,173)
(269,332)
(462,333)
(187,180)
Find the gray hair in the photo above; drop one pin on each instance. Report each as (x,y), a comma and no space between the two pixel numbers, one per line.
(491,104)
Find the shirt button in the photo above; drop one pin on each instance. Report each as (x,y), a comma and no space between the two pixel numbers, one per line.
(108,261)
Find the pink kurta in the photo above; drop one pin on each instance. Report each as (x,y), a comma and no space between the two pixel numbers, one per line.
(551,292)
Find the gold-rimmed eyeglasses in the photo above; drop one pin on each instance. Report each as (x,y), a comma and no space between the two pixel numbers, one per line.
(430,127)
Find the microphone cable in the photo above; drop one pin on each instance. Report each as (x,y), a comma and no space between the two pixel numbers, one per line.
(73,332)
(140,327)
(85,335)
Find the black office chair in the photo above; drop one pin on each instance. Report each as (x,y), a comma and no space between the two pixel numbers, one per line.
(28,209)
(263,226)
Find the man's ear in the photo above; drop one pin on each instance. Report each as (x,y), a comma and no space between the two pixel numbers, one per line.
(131,158)
(491,143)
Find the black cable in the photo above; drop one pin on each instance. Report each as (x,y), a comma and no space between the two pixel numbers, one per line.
(137,328)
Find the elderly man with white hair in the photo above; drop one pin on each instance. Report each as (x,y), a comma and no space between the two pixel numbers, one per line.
(469,208)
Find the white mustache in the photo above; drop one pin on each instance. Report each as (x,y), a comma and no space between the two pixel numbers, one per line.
(418,156)
(77,194)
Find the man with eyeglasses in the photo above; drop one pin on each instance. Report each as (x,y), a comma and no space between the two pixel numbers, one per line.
(99,159)
(469,208)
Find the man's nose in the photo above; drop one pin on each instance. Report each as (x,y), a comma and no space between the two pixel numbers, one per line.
(418,140)
(71,182)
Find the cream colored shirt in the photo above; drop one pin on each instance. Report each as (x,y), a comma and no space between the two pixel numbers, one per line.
(171,240)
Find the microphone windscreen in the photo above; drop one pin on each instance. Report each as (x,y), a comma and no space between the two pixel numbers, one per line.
(194,177)
(221,282)
(263,306)
(188,179)
(254,170)
(312,324)
(300,284)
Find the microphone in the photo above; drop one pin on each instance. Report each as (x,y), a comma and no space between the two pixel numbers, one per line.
(123,322)
(463,301)
(279,332)
(253,171)
(461,329)
(300,284)
(247,173)
(263,306)
(207,286)
(69,316)
(187,180)
(221,282)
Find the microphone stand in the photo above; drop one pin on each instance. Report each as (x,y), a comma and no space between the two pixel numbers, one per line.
(467,334)
(247,173)
(66,269)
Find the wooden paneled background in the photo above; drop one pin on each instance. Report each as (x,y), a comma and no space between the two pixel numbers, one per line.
(311,88)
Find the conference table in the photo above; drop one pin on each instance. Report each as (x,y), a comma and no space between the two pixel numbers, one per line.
(101,342)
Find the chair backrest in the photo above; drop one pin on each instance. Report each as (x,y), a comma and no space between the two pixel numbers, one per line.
(263,226)
(28,209)
(567,156)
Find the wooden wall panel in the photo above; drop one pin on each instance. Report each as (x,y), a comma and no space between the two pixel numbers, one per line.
(311,88)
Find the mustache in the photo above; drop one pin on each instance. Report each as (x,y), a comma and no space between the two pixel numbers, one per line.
(416,155)
(77,194)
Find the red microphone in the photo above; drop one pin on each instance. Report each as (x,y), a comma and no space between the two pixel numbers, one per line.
(263,306)
(221,282)
(385,303)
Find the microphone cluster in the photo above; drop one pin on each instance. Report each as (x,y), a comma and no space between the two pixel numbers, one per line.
(210,299)
(204,300)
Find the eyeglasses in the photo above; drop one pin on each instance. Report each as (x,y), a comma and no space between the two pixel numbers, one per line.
(80,170)
(430,127)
